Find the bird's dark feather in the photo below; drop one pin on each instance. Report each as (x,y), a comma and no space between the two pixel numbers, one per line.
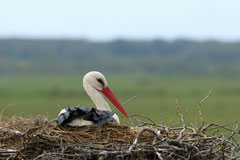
(98,117)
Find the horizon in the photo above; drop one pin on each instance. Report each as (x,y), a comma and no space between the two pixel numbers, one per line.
(117,39)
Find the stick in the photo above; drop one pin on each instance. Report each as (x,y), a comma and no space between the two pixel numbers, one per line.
(129,100)
(182,119)
(138,115)
(139,134)
(199,109)
(126,102)
(9,105)
(59,106)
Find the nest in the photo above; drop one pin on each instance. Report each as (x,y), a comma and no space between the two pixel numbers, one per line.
(38,138)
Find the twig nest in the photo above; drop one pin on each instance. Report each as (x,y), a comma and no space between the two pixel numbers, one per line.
(37,138)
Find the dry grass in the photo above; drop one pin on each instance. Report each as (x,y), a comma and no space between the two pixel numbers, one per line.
(37,138)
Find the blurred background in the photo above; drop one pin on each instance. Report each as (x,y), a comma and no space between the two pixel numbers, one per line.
(158,50)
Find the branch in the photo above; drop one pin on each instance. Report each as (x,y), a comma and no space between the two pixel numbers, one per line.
(139,134)
(199,110)
(182,119)
(59,107)
(131,99)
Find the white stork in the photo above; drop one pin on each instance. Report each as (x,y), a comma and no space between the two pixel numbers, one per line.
(94,84)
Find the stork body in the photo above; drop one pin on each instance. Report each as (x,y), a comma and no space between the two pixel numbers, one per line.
(94,83)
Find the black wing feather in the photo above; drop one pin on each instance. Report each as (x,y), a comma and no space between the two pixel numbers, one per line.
(98,117)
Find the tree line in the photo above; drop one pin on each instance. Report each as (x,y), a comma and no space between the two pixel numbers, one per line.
(160,57)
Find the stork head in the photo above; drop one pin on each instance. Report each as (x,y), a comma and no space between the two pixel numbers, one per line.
(97,81)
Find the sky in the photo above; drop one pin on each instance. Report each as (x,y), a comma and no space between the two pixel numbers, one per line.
(128,19)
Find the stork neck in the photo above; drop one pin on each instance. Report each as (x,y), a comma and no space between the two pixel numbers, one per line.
(97,98)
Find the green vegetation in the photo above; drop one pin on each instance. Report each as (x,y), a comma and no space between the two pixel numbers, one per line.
(33,95)
(158,71)
(157,57)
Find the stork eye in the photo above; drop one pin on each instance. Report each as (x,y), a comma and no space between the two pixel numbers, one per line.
(100,81)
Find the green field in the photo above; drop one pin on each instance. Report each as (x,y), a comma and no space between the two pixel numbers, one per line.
(33,95)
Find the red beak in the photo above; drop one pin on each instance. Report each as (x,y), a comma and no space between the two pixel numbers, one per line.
(109,94)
